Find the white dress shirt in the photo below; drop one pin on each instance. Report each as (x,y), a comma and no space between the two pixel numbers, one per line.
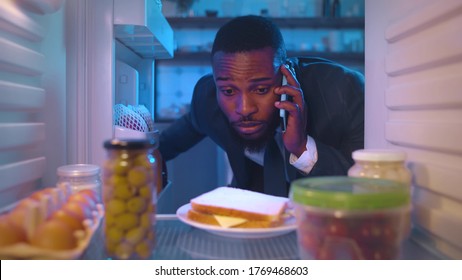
(304,163)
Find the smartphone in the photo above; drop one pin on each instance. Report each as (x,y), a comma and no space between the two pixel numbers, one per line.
(282,112)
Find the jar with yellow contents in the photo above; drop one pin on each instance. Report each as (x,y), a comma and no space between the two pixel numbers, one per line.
(381,164)
(129,197)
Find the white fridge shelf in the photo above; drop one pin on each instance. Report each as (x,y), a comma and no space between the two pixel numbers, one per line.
(140,26)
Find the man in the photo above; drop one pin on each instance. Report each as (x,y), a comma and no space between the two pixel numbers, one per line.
(238,108)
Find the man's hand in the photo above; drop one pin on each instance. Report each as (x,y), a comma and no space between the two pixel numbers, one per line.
(295,136)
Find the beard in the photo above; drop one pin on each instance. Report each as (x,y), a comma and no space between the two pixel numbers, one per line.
(255,145)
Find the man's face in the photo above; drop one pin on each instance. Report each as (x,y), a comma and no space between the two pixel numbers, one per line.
(245,83)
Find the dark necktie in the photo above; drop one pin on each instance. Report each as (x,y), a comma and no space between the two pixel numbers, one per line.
(274,174)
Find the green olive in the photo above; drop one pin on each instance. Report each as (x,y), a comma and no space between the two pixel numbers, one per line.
(116,207)
(121,166)
(124,250)
(136,205)
(135,235)
(141,160)
(114,234)
(123,191)
(127,221)
(137,176)
(144,249)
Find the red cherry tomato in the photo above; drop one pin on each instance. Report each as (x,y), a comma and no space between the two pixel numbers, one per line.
(338,228)
(316,220)
(310,240)
(381,252)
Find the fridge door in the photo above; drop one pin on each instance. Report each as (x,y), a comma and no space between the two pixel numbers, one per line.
(31,96)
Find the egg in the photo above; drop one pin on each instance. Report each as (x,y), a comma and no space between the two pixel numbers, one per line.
(39,194)
(25,202)
(10,233)
(18,215)
(80,210)
(69,218)
(83,199)
(92,194)
(54,235)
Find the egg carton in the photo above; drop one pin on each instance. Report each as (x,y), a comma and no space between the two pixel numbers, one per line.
(36,213)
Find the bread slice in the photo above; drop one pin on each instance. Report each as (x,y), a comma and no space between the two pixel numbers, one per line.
(261,210)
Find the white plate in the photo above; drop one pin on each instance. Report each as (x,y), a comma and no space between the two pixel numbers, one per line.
(288,226)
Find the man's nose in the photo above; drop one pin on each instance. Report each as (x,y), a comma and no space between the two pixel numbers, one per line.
(246,105)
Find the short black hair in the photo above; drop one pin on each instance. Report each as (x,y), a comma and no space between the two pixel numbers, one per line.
(247,33)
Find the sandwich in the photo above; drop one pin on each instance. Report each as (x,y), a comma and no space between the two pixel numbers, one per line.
(233,207)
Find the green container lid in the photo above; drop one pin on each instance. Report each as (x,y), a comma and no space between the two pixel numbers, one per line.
(348,193)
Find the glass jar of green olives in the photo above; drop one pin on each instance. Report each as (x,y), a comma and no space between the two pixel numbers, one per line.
(130,198)
(158,164)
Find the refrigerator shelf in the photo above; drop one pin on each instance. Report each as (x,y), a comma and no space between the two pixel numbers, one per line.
(141,27)
(17,135)
(15,21)
(21,97)
(19,59)
(21,172)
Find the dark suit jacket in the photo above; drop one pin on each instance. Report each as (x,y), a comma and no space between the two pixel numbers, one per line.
(334,97)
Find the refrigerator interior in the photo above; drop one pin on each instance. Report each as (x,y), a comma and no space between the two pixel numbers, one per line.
(57,70)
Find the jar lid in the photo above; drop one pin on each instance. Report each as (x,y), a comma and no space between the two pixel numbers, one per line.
(349,193)
(78,170)
(379,155)
(131,144)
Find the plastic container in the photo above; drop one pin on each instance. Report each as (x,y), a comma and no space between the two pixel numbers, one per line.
(381,164)
(80,177)
(130,198)
(350,218)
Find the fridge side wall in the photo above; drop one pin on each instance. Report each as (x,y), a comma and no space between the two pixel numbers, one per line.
(414,103)
(90,78)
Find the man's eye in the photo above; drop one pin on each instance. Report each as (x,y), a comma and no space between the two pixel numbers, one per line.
(262,90)
(227,91)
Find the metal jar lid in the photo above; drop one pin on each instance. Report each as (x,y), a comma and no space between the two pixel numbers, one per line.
(78,170)
(379,155)
(131,144)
